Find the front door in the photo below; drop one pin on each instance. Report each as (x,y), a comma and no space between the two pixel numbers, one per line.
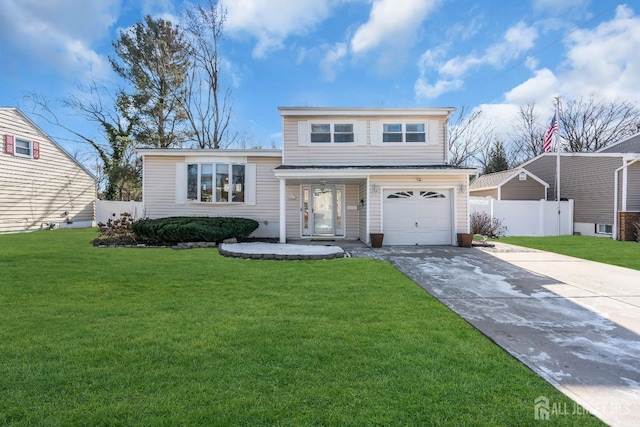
(323,209)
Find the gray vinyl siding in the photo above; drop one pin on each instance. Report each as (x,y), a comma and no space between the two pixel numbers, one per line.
(160,194)
(431,182)
(529,189)
(367,151)
(35,191)
(485,193)
(633,187)
(589,180)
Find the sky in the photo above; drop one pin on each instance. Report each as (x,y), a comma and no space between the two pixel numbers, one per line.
(490,55)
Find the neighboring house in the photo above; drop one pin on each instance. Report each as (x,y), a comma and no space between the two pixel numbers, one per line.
(512,184)
(41,185)
(602,184)
(342,173)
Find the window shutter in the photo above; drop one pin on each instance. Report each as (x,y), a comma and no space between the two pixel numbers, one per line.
(433,127)
(304,133)
(375,132)
(181,183)
(360,129)
(9,144)
(35,149)
(250,180)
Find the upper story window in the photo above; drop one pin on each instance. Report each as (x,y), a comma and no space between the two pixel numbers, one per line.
(217,182)
(23,147)
(328,133)
(404,132)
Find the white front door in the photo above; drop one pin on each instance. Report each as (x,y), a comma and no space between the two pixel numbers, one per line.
(323,210)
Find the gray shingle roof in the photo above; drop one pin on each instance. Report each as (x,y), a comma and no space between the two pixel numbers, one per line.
(492,180)
(629,145)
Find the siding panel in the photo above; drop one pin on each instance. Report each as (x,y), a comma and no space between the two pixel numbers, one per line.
(35,191)
(369,153)
(529,189)
(589,180)
(160,197)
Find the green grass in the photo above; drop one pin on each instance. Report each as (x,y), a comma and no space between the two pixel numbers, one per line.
(107,337)
(608,251)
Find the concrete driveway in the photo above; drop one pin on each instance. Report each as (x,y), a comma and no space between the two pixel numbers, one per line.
(575,323)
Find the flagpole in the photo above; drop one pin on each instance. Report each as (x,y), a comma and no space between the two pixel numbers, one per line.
(555,135)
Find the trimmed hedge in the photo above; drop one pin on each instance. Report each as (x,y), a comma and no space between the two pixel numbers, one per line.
(179,229)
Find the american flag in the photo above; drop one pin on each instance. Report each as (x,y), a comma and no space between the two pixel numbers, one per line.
(548,136)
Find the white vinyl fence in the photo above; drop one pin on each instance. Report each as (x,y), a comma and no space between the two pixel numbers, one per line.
(527,217)
(106,209)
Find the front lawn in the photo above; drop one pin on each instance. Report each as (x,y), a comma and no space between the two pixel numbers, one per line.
(96,336)
(608,251)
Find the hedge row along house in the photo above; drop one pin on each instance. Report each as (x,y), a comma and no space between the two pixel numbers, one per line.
(41,185)
(342,173)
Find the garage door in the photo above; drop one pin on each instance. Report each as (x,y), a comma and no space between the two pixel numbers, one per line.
(417,217)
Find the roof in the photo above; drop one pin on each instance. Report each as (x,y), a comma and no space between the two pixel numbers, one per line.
(53,141)
(497,179)
(208,152)
(364,111)
(627,145)
(368,167)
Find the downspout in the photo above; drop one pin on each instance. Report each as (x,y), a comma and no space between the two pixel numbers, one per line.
(624,194)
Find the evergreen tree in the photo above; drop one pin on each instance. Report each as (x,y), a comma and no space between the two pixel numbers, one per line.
(497,159)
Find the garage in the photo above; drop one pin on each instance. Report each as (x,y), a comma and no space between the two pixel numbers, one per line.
(417,217)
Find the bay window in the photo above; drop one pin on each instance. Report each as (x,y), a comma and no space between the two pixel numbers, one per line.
(229,183)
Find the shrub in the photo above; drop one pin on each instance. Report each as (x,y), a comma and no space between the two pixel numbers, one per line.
(481,223)
(116,232)
(175,229)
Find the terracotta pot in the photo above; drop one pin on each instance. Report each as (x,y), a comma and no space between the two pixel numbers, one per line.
(465,240)
(376,239)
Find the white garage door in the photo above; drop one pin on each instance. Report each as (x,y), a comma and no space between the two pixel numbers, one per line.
(417,217)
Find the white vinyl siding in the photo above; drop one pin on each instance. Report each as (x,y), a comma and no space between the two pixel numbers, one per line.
(261,194)
(368,148)
(33,192)
(443,182)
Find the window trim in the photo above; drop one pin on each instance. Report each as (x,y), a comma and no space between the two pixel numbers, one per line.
(16,147)
(404,132)
(332,131)
(214,168)
(605,226)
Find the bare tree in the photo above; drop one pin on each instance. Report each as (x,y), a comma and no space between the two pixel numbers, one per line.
(527,138)
(589,125)
(468,135)
(117,159)
(207,103)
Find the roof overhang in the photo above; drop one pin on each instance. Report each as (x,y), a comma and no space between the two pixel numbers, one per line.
(171,152)
(346,111)
(288,171)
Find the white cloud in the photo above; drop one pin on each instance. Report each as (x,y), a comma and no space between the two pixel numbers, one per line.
(605,60)
(539,89)
(423,89)
(515,41)
(556,7)
(58,34)
(332,60)
(272,21)
(390,21)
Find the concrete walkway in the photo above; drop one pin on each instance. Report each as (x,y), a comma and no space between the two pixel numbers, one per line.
(576,323)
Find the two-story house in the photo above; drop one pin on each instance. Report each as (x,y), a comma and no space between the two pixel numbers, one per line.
(342,173)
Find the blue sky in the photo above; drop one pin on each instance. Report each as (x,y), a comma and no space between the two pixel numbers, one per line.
(493,55)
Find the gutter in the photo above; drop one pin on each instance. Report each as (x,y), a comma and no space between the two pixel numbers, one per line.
(624,167)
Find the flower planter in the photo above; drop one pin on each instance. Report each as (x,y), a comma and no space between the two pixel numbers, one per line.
(465,240)
(376,239)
